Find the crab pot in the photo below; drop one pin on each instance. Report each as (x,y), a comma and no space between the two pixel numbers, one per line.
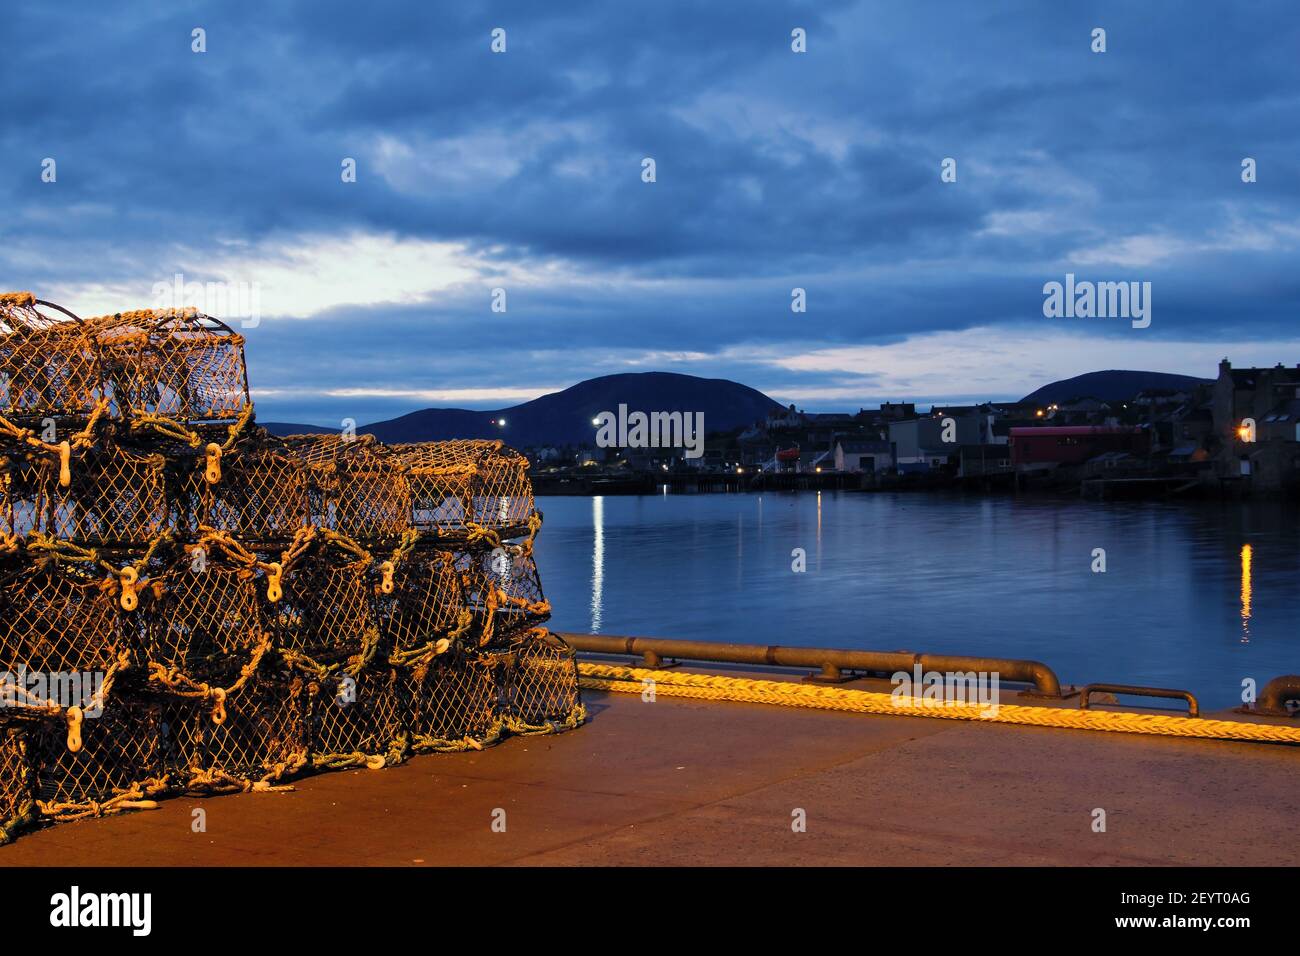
(503,495)
(328,609)
(178,364)
(441,477)
(115,497)
(262,738)
(427,601)
(456,698)
(356,487)
(454,483)
(201,373)
(49,365)
(511,572)
(367,499)
(60,621)
(261,495)
(128,370)
(208,617)
(355,718)
(119,749)
(541,680)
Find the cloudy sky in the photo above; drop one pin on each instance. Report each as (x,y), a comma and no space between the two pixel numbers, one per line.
(523,170)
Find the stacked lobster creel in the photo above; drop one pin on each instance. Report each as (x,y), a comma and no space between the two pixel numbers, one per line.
(102,423)
(72,506)
(444,530)
(472,503)
(240,606)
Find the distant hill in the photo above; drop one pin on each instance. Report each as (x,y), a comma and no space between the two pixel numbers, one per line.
(290,428)
(1113,385)
(564,418)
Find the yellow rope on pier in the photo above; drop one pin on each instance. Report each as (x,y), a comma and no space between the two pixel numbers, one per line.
(632,680)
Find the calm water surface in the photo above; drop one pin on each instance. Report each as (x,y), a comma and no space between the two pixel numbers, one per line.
(1194,596)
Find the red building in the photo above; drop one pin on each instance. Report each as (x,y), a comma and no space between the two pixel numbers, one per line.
(1074,444)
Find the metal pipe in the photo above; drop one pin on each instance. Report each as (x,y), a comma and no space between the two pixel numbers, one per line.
(1193,708)
(831,661)
(1277,692)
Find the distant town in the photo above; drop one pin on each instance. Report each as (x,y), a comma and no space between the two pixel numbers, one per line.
(1238,433)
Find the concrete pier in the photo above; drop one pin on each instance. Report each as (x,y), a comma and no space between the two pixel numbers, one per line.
(700,783)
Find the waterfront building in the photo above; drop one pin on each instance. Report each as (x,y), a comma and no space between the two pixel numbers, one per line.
(928,442)
(1268,453)
(871,457)
(1053,445)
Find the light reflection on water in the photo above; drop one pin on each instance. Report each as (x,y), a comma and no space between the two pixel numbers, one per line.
(1197,596)
(1247,555)
(597,561)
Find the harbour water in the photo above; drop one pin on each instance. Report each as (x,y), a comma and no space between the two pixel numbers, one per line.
(1194,596)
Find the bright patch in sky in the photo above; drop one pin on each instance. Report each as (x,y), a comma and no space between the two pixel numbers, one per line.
(301,276)
(991,363)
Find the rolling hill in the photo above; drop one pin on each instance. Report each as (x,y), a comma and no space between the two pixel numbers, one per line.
(1112,385)
(564,418)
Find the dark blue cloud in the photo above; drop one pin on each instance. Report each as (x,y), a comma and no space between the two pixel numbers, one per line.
(775,170)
